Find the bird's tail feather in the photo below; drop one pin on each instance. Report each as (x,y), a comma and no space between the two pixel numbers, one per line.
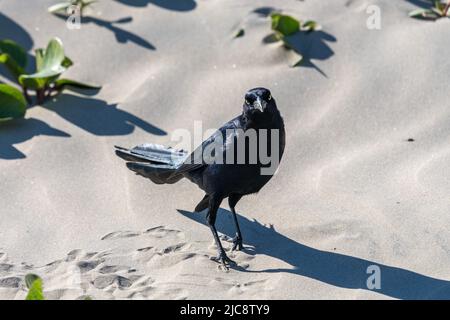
(153,153)
(159,174)
(156,162)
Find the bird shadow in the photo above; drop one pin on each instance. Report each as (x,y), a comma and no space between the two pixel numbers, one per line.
(122,36)
(175,5)
(98,117)
(335,269)
(20,130)
(12,31)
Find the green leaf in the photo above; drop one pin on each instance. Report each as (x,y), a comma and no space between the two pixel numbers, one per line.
(54,55)
(423,14)
(62,83)
(310,25)
(272,38)
(284,24)
(67,62)
(438,11)
(85,3)
(418,12)
(60,7)
(30,278)
(240,33)
(12,102)
(50,66)
(32,83)
(34,284)
(15,51)
(439,6)
(12,66)
(39,59)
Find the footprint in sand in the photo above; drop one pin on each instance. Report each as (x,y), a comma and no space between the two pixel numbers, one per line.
(162,232)
(112,269)
(86,266)
(170,256)
(156,232)
(235,288)
(80,255)
(145,249)
(102,282)
(5,267)
(121,234)
(174,248)
(10,282)
(251,287)
(159,293)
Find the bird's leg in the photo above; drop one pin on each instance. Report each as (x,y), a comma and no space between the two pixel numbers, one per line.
(237,241)
(222,257)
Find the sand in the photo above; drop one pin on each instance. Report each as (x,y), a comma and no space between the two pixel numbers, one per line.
(351,191)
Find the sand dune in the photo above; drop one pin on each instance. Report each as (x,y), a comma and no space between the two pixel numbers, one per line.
(351,191)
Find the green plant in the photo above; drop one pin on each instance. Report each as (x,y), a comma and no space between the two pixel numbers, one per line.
(12,103)
(240,33)
(64,6)
(285,27)
(35,287)
(438,9)
(51,63)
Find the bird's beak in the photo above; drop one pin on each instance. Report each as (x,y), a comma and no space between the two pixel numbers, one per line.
(259,105)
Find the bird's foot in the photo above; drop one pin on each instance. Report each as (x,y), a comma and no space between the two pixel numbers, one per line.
(223,259)
(237,244)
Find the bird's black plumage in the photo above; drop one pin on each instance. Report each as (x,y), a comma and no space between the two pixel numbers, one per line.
(219,179)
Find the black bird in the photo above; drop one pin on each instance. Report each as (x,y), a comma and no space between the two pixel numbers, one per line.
(213,171)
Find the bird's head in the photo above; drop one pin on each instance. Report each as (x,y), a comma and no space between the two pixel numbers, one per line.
(257,102)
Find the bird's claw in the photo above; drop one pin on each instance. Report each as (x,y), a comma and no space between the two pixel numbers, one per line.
(237,244)
(223,259)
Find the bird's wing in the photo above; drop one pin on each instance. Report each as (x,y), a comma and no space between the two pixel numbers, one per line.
(198,158)
(154,154)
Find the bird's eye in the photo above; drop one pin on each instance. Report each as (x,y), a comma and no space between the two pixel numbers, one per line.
(269,98)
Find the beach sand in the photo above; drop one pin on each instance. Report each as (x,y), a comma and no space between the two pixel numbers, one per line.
(351,192)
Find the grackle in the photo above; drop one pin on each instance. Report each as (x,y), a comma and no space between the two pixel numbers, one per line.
(224,165)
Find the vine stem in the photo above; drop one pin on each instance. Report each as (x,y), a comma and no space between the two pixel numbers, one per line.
(27,96)
(447,7)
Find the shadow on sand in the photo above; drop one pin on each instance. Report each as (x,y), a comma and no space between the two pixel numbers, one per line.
(98,117)
(21,130)
(92,115)
(12,31)
(424,4)
(122,36)
(332,268)
(175,5)
(311,45)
